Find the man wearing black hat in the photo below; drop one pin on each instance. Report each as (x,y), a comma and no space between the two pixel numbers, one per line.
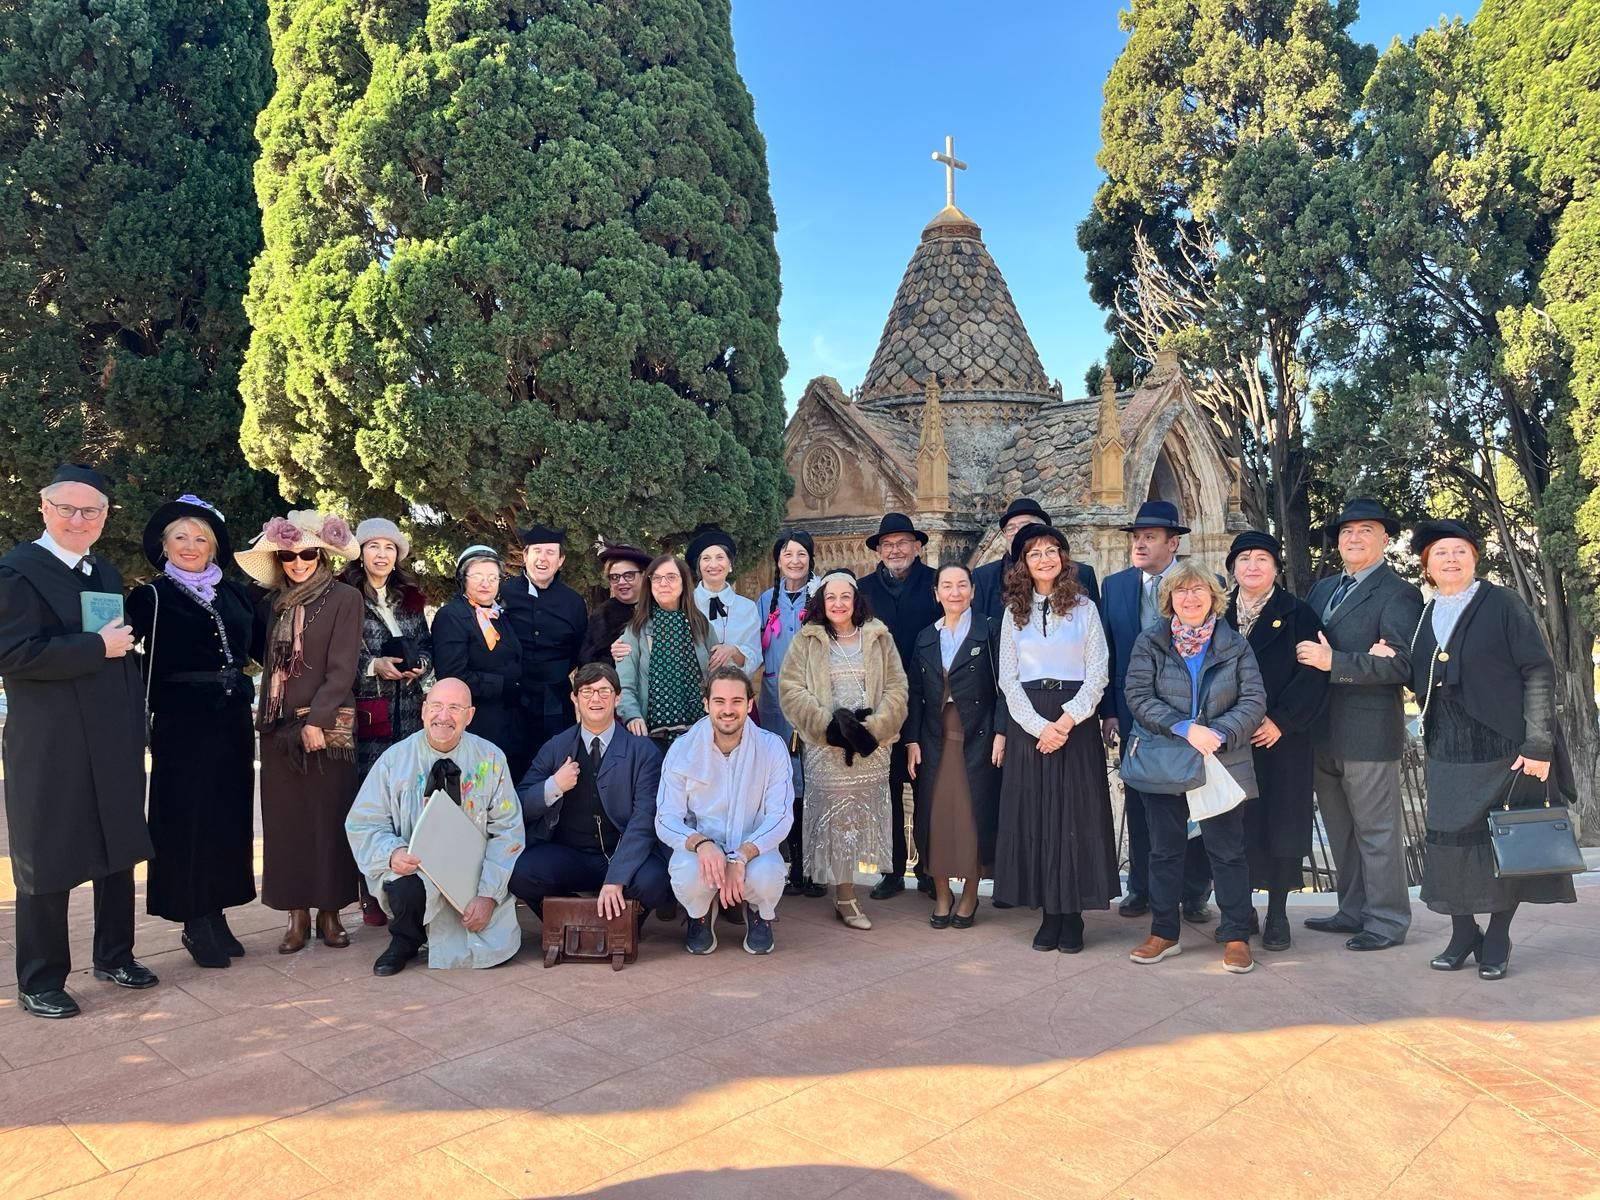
(1129,605)
(623,567)
(550,621)
(988,581)
(74,746)
(1363,734)
(900,593)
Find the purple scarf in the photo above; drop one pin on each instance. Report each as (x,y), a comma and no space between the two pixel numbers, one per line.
(201,583)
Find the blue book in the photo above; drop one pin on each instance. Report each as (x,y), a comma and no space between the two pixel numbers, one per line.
(100,609)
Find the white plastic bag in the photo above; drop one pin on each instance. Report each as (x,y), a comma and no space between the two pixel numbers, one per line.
(1218,794)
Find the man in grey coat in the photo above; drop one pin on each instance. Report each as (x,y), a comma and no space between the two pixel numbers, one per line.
(1362,735)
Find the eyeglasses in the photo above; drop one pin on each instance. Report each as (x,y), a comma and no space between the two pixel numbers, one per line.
(596,693)
(622,576)
(89,512)
(1198,589)
(897,543)
(455,710)
(1041,553)
(288,556)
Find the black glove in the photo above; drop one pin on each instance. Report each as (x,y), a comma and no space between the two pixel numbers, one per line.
(861,741)
(836,734)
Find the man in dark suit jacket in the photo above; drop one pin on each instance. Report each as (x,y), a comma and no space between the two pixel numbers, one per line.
(900,594)
(589,804)
(1130,603)
(988,580)
(550,621)
(1362,736)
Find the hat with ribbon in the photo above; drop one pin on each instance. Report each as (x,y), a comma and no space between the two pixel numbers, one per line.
(1363,508)
(1157,514)
(301,530)
(895,523)
(185,507)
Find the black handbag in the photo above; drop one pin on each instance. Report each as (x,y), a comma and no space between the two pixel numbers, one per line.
(1161,763)
(1529,842)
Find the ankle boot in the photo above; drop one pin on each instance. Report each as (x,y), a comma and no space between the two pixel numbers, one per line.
(200,940)
(330,930)
(224,935)
(1049,935)
(294,938)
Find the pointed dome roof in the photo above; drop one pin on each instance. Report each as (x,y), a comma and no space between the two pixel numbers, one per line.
(953,315)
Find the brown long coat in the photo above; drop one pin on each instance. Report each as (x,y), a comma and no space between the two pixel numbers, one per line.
(306,860)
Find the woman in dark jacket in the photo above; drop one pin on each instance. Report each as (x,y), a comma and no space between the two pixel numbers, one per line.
(955,745)
(1277,824)
(472,642)
(197,629)
(1195,664)
(1486,686)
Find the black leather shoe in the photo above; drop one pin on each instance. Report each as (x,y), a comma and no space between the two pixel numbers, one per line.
(393,960)
(939,920)
(1197,912)
(53,1006)
(1135,904)
(1497,970)
(888,886)
(1275,934)
(1367,940)
(1454,962)
(1333,924)
(134,975)
(815,891)
(1001,904)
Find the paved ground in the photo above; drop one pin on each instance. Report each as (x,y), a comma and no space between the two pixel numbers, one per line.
(902,1062)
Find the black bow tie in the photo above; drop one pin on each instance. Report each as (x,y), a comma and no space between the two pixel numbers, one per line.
(446,777)
(718,608)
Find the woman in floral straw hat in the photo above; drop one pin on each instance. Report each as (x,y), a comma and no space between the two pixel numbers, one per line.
(307,721)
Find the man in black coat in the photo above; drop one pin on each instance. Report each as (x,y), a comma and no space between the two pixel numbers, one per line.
(1362,736)
(624,571)
(74,747)
(550,621)
(988,581)
(901,595)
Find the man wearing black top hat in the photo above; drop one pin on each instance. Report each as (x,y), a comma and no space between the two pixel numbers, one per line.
(900,594)
(988,581)
(1362,735)
(623,567)
(74,747)
(1130,604)
(550,621)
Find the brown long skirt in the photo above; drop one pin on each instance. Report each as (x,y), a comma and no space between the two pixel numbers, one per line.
(305,855)
(952,824)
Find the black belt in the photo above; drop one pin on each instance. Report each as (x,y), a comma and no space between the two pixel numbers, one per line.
(1050,685)
(228,678)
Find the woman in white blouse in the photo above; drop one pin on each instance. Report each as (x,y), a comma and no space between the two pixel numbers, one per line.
(733,618)
(1057,843)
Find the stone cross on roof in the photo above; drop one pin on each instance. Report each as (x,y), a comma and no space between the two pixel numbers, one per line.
(952,164)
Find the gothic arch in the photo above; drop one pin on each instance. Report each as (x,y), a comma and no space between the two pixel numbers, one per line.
(1175,457)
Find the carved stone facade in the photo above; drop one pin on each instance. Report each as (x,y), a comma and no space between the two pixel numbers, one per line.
(956,418)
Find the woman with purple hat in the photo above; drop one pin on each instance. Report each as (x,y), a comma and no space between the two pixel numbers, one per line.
(197,629)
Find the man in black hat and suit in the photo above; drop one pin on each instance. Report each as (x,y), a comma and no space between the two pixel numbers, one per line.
(1362,735)
(550,621)
(1129,606)
(74,747)
(900,593)
(988,580)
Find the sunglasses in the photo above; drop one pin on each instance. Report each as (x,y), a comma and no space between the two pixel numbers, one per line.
(288,556)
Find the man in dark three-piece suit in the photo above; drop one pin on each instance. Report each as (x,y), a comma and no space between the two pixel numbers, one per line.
(988,581)
(1129,603)
(1362,736)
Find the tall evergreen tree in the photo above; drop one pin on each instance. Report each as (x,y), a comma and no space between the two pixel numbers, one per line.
(519,260)
(127,227)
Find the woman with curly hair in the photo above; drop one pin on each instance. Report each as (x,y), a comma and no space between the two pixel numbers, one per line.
(306,721)
(1056,848)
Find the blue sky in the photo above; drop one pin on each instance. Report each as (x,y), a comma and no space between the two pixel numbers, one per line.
(854,95)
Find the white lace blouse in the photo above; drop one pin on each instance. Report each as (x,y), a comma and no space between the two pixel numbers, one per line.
(1054,647)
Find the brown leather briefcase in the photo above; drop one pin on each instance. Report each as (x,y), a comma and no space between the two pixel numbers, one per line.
(574,932)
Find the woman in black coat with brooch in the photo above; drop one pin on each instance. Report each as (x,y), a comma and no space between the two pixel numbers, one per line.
(197,630)
(955,744)
(473,642)
(1277,823)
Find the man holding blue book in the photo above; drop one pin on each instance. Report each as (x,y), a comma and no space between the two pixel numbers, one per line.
(74,744)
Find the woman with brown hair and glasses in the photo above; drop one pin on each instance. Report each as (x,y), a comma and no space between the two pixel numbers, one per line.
(307,721)
(669,645)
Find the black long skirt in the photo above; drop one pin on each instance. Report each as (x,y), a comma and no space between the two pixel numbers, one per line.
(1057,845)
(202,812)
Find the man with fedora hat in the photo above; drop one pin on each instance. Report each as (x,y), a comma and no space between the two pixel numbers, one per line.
(623,566)
(988,581)
(74,746)
(1129,605)
(900,594)
(550,621)
(1362,735)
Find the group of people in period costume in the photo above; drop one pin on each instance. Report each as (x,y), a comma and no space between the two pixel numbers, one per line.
(685,745)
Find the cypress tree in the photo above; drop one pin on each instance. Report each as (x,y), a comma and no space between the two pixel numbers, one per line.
(519,260)
(127,227)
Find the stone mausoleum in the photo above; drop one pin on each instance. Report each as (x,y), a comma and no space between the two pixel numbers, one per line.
(956,417)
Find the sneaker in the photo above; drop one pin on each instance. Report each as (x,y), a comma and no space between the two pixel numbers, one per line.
(757,932)
(1236,958)
(702,935)
(1153,949)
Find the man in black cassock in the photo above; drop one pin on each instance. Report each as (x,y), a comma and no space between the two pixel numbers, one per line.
(74,747)
(550,621)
